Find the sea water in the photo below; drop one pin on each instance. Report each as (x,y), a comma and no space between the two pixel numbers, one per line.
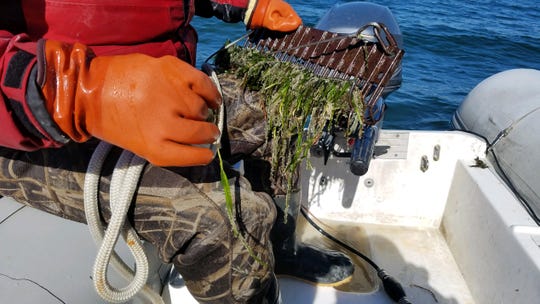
(450,46)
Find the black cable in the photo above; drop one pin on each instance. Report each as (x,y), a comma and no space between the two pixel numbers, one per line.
(335,240)
(391,286)
(521,199)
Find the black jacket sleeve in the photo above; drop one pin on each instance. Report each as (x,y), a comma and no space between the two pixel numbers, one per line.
(227,10)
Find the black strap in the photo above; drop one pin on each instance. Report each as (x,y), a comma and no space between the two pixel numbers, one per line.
(16,69)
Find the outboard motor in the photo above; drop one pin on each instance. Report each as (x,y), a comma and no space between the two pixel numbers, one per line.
(349,18)
(505,110)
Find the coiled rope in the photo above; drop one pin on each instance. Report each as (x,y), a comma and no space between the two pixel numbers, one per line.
(123,185)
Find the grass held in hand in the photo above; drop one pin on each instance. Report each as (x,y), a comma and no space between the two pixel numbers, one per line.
(297,103)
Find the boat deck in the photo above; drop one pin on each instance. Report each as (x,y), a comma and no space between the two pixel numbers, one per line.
(46,265)
(419,258)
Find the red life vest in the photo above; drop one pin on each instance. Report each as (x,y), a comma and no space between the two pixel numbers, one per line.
(110,27)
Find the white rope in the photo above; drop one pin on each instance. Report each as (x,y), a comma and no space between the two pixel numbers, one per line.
(123,185)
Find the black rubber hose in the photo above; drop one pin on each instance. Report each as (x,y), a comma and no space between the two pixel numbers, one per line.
(393,288)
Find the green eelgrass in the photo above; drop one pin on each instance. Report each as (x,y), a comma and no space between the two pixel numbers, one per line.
(230,211)
(298,105)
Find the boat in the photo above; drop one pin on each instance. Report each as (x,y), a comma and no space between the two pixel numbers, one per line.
(450,215)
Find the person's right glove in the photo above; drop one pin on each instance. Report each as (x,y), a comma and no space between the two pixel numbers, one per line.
(154,107)
(275,15)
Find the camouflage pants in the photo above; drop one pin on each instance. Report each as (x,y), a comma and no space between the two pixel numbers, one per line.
(179,210)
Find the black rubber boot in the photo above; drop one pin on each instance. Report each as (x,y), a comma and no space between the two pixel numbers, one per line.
(293,259)
(273,295)
(302,261)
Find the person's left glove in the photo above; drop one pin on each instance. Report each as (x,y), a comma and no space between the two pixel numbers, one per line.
(154,107)
(275,15)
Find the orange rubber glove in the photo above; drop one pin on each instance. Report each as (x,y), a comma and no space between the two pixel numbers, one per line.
(153,107)
(275,15)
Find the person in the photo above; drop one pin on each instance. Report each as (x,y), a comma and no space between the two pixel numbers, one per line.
(76,73)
